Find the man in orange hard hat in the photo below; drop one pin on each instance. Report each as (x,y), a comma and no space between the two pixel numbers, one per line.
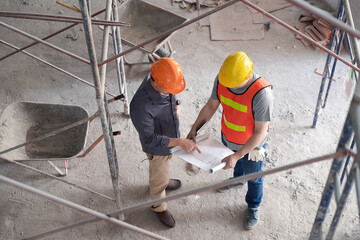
(247,103)
(154,113)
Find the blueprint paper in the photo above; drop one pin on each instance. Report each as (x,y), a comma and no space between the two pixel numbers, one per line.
(212,152)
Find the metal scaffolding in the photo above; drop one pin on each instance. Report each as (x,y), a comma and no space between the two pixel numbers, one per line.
(336,44)
(351,127)
(350,134)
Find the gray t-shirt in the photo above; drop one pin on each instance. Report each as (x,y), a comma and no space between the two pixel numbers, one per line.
(262,107)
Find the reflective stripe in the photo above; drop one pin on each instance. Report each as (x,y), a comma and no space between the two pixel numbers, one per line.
(233,126)
(233,104)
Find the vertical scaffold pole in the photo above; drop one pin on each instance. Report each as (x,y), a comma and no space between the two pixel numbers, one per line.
(319,103)
(356,54)
(316,232)
(342,202)
(334,67)
(120,68)
(110,150)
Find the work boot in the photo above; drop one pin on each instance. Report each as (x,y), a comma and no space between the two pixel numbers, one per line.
(174,184)
(252,218)
(166,218)
(229,187)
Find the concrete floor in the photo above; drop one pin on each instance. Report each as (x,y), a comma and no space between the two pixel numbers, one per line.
(291,198)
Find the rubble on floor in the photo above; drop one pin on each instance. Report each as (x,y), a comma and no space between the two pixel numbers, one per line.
(317,29)
(190,5)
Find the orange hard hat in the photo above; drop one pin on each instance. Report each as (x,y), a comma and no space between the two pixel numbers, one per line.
(168,74)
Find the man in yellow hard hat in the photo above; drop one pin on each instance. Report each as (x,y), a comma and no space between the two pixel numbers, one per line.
(247,103)
(154,113)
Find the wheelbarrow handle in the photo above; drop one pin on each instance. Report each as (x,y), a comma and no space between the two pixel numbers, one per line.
(116,133)
(92,146)
(119,97)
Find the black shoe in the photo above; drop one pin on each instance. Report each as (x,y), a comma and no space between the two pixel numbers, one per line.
(173,184)
(166,218)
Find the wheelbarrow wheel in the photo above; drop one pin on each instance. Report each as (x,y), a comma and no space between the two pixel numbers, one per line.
(161,52)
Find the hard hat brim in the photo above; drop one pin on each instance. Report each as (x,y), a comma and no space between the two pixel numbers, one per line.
(179,88)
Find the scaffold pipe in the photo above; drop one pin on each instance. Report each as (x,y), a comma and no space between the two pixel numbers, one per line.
(56,178)
(326,16)
(49,36)
(44,42)
(228,182)
(55,67)
(287,26)
(79,208)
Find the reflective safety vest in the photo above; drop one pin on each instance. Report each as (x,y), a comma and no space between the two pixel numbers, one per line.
(237,122)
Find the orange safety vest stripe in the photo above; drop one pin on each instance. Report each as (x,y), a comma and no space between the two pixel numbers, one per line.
(237,122)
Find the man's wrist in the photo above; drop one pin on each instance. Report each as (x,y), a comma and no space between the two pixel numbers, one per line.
(239,154)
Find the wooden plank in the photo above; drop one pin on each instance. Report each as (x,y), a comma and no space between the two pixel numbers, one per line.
(301,27)
(235,23)
(205,21)
(324,30)
(257,18)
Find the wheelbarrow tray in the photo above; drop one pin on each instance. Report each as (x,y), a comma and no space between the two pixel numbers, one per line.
(146,21)
(22,121)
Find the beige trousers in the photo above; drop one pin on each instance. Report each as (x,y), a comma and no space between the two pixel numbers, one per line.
(158,179)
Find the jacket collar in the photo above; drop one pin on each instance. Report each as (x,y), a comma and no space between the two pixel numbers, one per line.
(154,95)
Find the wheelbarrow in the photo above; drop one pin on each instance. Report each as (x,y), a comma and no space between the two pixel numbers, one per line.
(23,121)
(148,21)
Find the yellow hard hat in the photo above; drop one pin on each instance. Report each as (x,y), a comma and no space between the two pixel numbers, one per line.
(168,74)
(236,68)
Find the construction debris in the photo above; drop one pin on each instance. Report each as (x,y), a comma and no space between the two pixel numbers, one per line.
(317,29)
(190,5)
(321,72)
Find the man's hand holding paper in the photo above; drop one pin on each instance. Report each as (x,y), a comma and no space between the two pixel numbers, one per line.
(212,152)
